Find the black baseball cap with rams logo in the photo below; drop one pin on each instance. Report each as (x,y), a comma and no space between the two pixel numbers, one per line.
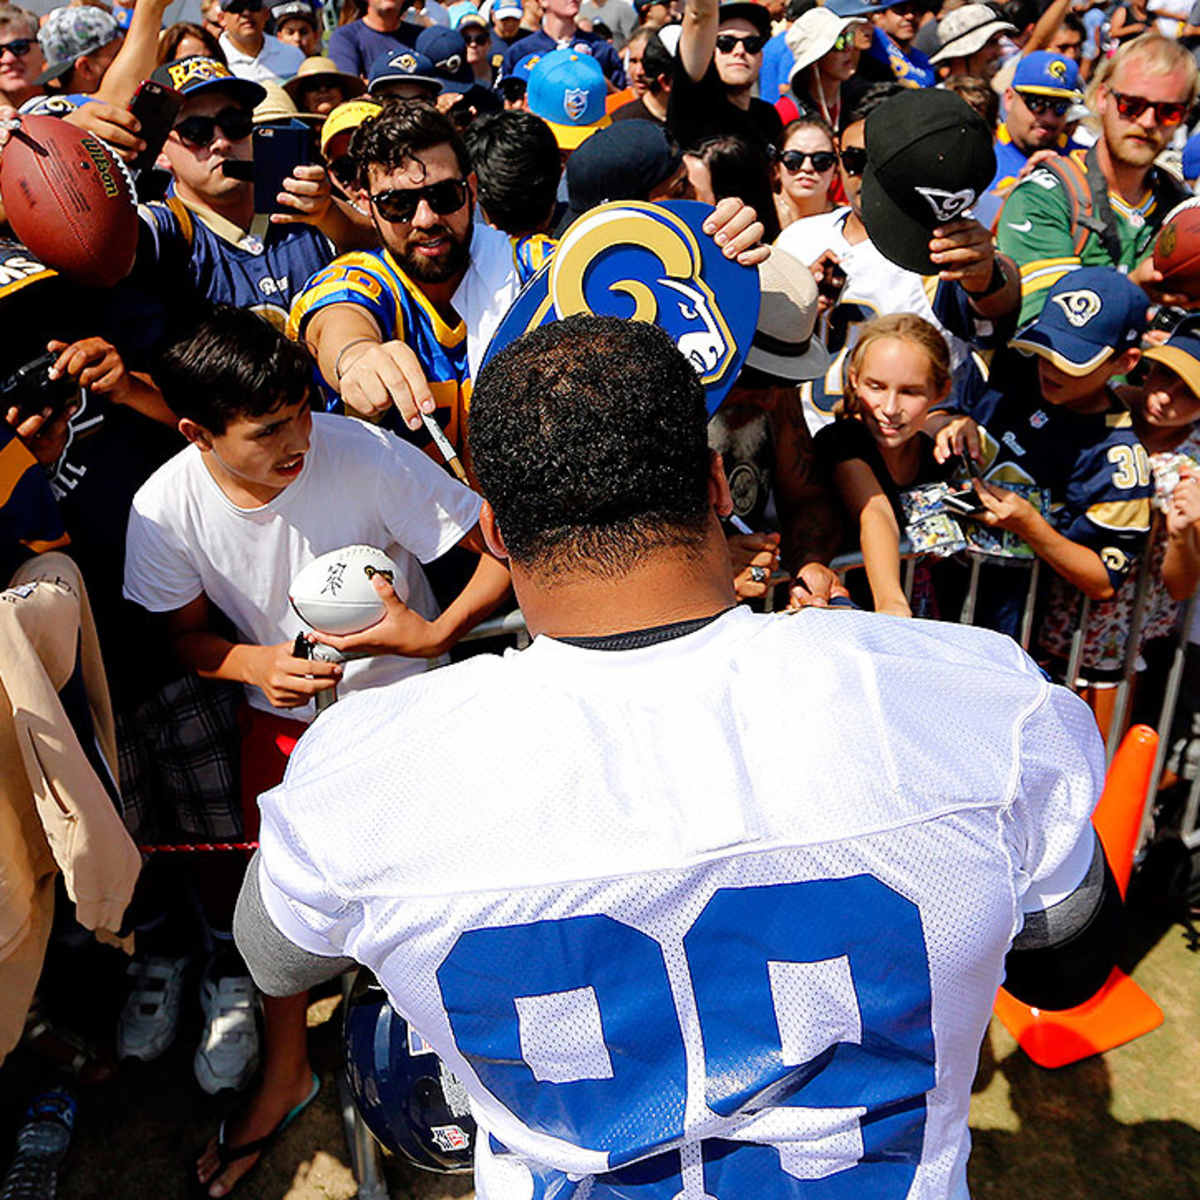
(929,158)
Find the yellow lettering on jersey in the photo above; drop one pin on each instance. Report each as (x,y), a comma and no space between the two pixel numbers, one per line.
(1124,515)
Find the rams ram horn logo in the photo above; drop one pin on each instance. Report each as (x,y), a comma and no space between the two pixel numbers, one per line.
(1078,307)
(575,102)
(189,70)
(649,255)
(947,205)
(1058,68)
(405,62)
(451,65)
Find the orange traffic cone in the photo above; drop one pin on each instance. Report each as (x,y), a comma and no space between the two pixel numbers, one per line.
(1120,1011)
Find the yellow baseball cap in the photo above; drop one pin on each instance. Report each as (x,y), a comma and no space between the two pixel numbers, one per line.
(346,117)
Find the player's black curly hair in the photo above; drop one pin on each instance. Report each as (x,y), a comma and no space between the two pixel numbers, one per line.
(401,131)
(232,364)
(588,437)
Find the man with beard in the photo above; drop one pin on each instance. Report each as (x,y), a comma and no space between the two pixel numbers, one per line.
(1104,206)
(401,331)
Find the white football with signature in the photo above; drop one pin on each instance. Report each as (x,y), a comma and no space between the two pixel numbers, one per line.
(334,593)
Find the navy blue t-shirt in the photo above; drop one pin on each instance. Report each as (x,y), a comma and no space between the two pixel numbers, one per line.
(581,42)
(354,47)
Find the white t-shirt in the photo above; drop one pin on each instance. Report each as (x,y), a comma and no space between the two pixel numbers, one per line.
(1170,16)
(276,62)
(875,286)
(359,485)
(737,901)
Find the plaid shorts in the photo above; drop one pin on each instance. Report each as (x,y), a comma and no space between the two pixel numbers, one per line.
(178,758)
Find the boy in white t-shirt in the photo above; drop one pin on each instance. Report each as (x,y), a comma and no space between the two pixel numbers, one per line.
(264,488)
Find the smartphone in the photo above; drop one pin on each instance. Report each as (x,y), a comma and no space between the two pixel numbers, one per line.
(278,151)
(970,466)
(964,503)
(833,280)
(156,107)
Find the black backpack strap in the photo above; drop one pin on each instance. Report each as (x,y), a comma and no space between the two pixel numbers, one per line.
(1101,220)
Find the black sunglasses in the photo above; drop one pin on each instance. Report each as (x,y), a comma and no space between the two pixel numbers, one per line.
(1166,112)
(344,169)
(18,46)
(400,204)
(854,159)
(1044,104)
(728,42)
(476,39)
(241,6)
(794,160)
(235,124)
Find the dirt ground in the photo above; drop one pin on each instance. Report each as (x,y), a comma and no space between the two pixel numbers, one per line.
(1121,1126)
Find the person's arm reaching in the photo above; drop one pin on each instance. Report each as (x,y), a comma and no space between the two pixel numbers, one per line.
(698,37)
(138,55)
(879,534)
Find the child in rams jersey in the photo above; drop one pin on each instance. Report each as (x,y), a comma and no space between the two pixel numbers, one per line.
(1050,417)
(898,371)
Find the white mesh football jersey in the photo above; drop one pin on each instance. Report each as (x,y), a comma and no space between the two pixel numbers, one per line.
(720,917)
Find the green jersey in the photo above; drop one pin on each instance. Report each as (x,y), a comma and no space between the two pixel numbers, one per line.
(1037,230)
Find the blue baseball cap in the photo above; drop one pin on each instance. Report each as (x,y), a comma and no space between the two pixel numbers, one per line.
(1181,354)
(1090,314)
(1044,74)
(1191,158)
(859,8)
(447,51)
(567,90)
(464,11)
(506,8)
(403,66)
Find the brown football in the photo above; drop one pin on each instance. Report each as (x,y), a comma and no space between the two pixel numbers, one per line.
(1177,249)
(68,199)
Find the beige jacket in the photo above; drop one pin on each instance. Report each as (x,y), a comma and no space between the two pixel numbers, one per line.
(55,814)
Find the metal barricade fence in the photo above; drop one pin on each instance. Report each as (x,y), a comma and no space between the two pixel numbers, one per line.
(512,625)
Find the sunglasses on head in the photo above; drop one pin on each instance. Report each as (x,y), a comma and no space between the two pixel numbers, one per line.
(854,159)
(234,123)
(1039,105)
(794,160)
(19,47)
(727,43)
(400,204)
(476,39)
(1166,112)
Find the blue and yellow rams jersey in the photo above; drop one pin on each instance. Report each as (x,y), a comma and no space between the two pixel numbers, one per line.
(1093,466)
(532,251)
(262,270)
(373,281)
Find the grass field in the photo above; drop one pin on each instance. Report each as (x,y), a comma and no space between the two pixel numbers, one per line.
(1124,1126)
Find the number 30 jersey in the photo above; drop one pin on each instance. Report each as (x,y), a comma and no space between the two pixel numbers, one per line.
(721,916)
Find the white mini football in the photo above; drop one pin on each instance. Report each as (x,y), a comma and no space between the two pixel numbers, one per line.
(334,593)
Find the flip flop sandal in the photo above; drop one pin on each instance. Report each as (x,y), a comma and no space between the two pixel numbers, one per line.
(227,1154)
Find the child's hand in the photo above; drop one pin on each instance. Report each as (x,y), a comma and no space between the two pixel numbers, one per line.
(755,558)
(287,681)
(93,362)
(402,631)
(953,434)
(1183,510)
(1005,509)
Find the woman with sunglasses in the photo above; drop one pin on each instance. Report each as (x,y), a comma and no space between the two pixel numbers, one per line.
(478,37)
(808,172)
(826,56)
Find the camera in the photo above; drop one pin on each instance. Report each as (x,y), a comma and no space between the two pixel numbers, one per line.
(31,389)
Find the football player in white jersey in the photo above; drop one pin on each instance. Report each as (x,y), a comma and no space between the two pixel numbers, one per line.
(694,902)
(975,305)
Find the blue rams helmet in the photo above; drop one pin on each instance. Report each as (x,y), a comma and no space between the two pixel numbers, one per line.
(405,1094)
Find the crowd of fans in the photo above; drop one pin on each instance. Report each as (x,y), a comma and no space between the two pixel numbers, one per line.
(1028,349)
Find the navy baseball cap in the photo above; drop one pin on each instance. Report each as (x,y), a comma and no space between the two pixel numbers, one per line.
(1044,74)
(447,51)
(403,66)
(623,162)
(1090,314)
(1181,354)
(196,73)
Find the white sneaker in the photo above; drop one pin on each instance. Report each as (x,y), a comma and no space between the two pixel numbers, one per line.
(227,1056)
(150,1014)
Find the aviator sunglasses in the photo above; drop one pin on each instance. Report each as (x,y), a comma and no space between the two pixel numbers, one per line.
(234,123)
(794,160)
(1166,112)
(728,42)
(400,204)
